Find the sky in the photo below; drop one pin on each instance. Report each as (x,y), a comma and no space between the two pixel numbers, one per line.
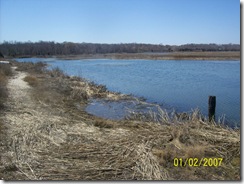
(172,22)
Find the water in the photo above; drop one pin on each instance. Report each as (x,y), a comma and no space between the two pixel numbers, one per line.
(182,85)
(119,109)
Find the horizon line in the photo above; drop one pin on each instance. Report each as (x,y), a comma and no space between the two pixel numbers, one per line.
(14,42)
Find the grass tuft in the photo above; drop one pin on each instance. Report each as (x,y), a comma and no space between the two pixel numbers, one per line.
(105,124)
(32,81)
(5,72)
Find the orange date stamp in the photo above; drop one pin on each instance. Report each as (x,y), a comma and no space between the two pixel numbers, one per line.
(196,162)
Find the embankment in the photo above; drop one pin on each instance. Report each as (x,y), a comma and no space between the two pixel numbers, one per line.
(46,137)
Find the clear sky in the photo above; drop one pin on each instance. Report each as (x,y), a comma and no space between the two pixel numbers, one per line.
(172,22)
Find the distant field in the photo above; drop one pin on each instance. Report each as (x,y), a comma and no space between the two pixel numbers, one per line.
(230,55)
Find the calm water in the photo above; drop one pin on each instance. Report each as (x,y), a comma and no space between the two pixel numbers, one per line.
(182,85)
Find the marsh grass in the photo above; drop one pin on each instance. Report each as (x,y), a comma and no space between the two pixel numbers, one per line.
(105,124)
(32,81)
(162,116)
(5,73)
(5,69)
(231,55)
(194,137)
(56,72)
(65,143)
(37,68)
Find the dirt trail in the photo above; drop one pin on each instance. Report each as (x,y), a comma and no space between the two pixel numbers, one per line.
(18,121)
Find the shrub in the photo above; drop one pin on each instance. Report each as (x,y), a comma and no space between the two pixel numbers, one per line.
(5,69)
(56,72)
(31,67)
(32,81)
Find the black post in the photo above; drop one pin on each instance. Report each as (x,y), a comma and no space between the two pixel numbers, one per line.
(211,108)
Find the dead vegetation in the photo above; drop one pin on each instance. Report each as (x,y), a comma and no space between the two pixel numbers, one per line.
(49,138)
(206,55)
(5,72)
(32,81)
(218,55)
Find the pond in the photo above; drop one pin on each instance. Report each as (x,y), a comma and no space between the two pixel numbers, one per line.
(181,85)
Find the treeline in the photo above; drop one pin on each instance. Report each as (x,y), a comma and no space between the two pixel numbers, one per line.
(42,48)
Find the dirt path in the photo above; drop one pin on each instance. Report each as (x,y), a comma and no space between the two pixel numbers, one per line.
(18,121)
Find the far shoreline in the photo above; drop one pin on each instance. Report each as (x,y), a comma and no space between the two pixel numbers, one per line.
(216,56)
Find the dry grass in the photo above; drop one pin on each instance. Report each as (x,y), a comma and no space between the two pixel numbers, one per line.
(32,81)
(36,68)
(5,69)
(197,55)
(49,138)
(56,72)
(231,55)
(105,124)
(176,56)
(196,138)
(5,72)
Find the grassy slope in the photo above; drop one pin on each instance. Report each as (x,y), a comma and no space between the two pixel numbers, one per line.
(68,143)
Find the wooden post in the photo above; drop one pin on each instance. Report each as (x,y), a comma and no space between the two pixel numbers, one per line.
(211,108)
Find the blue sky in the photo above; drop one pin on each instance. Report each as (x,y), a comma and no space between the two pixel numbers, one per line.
(172,22)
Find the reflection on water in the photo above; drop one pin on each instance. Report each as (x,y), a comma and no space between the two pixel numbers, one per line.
(182,85)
